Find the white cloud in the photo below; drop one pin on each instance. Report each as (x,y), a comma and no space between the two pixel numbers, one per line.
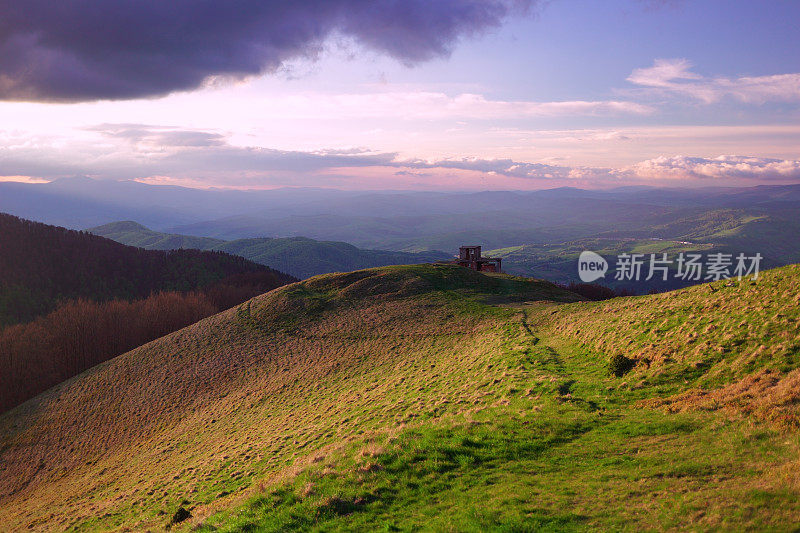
(675,76)
(724,168)
(663,72)
(511,168)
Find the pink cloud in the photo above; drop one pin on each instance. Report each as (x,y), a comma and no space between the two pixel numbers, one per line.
(200,158)
(663,73)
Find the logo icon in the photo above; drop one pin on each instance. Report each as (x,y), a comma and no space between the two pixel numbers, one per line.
(591,266)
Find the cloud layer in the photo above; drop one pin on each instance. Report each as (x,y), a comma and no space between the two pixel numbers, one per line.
(79,50)
(162,154)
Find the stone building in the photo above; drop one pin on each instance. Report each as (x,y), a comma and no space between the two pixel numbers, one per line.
(470,257)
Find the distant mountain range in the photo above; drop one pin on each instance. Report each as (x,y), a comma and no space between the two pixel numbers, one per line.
(408,221)
(298,256)
(283,228)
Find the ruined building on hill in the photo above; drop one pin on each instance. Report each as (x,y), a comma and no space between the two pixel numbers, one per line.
(470,257)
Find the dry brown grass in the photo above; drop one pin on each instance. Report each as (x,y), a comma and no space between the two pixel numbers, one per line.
(766,395)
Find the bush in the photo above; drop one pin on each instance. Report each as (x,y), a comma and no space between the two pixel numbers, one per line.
(619,365)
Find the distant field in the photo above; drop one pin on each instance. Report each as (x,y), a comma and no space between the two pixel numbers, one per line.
(559,262)
(725,231)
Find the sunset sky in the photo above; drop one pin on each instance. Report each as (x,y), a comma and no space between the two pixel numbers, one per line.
(457,95)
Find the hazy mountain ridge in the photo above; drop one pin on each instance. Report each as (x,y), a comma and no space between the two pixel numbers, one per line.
(134,234)
(82,202)
(298,256)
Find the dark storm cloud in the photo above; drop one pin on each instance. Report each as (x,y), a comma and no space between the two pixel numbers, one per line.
(78,50)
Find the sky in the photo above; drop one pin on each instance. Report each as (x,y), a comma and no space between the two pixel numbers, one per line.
(414,94)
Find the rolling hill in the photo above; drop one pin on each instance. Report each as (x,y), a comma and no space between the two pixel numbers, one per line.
(134,234)
(435,397)
(297,256)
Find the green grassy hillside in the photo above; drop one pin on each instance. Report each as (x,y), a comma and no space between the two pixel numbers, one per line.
(429,397)
(298,256)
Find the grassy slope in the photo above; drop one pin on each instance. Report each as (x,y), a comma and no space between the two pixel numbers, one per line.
(430,396)
(741,335)
(298,256)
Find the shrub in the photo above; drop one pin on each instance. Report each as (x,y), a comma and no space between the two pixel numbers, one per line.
(619,365)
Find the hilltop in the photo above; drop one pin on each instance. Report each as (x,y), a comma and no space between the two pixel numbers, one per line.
(298,256)
(429,396)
